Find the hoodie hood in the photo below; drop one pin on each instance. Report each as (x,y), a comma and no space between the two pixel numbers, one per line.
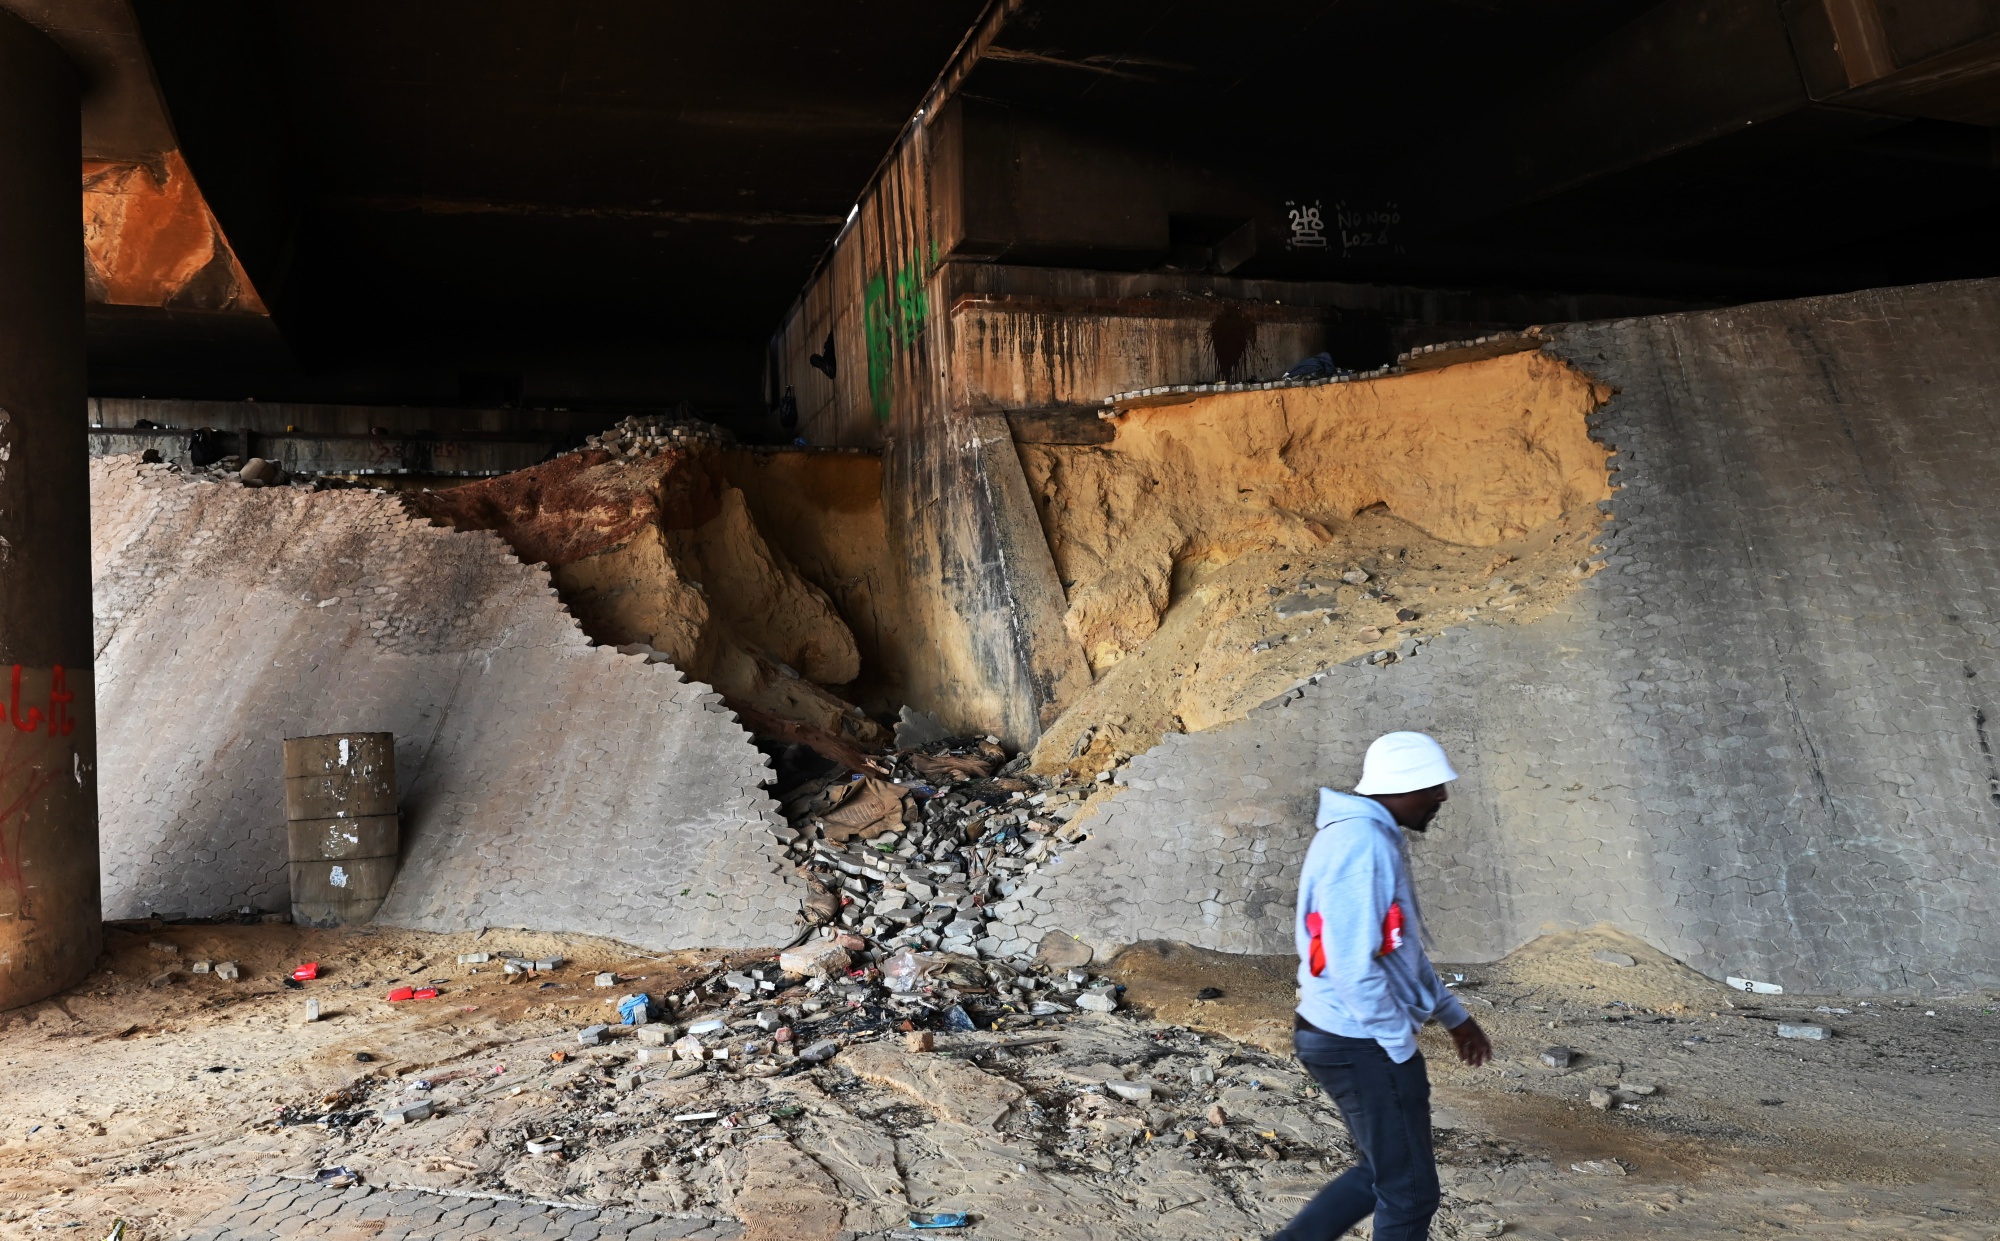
(1335,807)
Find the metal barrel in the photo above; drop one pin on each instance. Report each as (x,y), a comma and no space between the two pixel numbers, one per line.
(340,800)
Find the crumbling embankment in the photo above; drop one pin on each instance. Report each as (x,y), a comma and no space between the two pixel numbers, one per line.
(533,763)
(658,551)
(1217,550)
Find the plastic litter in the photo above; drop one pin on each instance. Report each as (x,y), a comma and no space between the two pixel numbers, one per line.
(412,993)
(306,972)
(634,1010)
(902,972)
(937,1219)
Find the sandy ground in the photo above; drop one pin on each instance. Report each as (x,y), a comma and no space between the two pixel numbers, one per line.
(154,1103)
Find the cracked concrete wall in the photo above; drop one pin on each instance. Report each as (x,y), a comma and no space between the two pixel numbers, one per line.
(1759,738)
(545,782)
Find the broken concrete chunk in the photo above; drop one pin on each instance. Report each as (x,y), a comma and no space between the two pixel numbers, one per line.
(768,1020)
(920,1040)
(1303,605)
(1603,1098)
(819,958)
(707,1025)
(658,1055)
(423,1109)
(228,971)
(820,1052)
(1104,1001)
(592,1036)
(1356,576)
(1131,1092)
(474,958)
(607,979)
(655,1035)
(1639,1089)
(1815,1033)
(1558,1057)
(201,967)
(1608,957)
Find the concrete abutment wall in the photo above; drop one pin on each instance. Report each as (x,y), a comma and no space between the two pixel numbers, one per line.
(1757,739)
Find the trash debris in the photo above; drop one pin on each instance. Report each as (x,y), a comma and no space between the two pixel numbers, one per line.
(474,958)
(1599,1167)
(635,1009)
(399,994)
(1754,987)
(306,972)
(336,1178)
(544,1146)
(1815,1033)
(1208,993)
(937,1219)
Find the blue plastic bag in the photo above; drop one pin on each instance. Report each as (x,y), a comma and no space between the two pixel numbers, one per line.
(937,1219)
(634,1009)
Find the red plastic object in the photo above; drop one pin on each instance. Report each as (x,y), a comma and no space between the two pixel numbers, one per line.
(401,993)
(307,972)
(425,993)
(413,993)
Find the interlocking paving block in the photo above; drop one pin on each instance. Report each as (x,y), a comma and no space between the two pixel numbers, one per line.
(556,764)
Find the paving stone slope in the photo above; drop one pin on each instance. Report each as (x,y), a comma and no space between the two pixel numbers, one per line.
(1759,737)
(544,782)
(282,1207)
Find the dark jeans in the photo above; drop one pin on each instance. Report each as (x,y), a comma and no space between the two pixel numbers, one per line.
(1387,1107)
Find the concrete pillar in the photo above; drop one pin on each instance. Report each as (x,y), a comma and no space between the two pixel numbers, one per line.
(50,925)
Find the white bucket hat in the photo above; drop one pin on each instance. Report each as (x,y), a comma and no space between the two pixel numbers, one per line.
(1403,763)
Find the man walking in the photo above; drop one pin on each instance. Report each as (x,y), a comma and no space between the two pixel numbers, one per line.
(1365,987)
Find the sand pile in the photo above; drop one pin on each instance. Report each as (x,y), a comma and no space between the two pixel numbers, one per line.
(653,547)
(1217,550)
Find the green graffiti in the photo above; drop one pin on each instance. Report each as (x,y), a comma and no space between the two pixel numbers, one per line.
(875,320)
(894,309)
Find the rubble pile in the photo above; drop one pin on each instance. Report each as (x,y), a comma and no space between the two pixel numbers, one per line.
(647,1114)
(647,436)
(939,851)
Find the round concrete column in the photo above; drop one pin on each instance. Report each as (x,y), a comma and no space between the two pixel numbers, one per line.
(50,924)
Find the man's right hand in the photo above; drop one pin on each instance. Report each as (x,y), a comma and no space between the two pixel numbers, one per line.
(1473,1047)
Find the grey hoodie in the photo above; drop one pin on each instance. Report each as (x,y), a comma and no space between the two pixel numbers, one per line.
(1364,974)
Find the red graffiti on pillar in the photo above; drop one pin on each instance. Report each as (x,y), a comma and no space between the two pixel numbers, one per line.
(60,696)
(13,814)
